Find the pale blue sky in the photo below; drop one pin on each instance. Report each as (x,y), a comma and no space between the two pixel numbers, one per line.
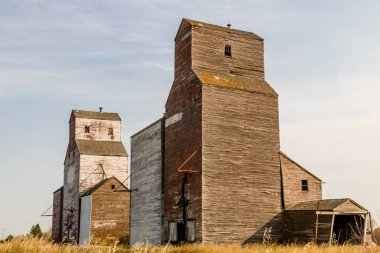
(322,57)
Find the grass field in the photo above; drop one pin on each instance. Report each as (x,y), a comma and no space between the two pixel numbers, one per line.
(33,245)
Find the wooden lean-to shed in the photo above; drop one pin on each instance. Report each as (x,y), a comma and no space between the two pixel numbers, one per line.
(326,221)
(104,211)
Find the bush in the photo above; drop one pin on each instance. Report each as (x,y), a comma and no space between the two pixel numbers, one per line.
(9,238)
(35,231)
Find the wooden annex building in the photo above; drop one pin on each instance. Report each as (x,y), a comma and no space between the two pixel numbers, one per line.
(211,169)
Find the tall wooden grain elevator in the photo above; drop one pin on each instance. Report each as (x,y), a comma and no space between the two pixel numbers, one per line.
(211,169)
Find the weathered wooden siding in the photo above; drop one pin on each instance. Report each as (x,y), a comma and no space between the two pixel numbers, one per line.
(208,52)
(98,129)
(292,175)
(57,215)
(146,185)
(183,137)
(71,193)
(92,167)
(299,226)
(240,166)
(82,171)
(85,220)
(110,211)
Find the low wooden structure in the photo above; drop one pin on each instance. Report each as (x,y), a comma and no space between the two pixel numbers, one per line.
(104,211)
(326,221)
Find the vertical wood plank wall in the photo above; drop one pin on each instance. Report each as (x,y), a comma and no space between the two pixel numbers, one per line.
(241,171)
(146,185)
(299,226)
(183,137)
(57,215)
(293,175)
(110,212)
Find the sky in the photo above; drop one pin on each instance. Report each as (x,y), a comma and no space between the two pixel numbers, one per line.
(322,57)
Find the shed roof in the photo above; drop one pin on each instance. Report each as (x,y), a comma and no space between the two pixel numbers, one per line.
(200,24)
(97,115)
(237,82)
(102,182)
(101,148)
(334,205)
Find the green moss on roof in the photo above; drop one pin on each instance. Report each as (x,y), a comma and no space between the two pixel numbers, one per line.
(97,115)
(101,148)
(237,82)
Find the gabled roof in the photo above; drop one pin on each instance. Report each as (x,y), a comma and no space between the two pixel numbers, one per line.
(102,182)
(96,115)
(200,24)
(101,148)
(291,160)
(237,82)
(334,205)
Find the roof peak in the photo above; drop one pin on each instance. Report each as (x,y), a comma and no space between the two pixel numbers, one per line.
(96,115)
(220,28)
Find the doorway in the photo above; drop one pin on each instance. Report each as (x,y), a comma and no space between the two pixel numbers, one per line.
(348,228)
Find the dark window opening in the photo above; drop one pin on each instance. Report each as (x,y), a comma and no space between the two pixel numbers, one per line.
(227,50)
(181,230)
(110,131)
(113,187)
(305,185)
(86,129)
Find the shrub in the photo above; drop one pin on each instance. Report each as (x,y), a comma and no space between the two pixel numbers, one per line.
(35,231)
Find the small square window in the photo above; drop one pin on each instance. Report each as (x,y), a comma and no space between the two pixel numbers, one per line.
(110,131)
(305,185)
(113,187)
(227,50)
(86,129)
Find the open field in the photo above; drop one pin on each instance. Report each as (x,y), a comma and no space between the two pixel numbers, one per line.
(32,245)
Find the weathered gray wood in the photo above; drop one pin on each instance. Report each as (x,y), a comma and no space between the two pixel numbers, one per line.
(332,228)
(82,171)
(299,226)
(146,185)
(57,215)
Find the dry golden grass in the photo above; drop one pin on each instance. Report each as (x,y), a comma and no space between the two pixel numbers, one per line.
(32,245)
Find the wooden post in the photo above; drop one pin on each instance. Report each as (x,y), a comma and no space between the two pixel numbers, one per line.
(332,228)
(370,223)
(316,224)
(365,228)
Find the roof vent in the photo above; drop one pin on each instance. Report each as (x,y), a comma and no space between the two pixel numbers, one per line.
(229,26)
(100,109)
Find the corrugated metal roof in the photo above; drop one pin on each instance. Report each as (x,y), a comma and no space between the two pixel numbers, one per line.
(238,82)
(101,148)
(220,28)
(102,182)
(96,115)
(324,205)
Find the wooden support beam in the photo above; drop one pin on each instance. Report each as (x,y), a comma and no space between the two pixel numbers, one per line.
(370,222)
(316,224)
(332,229)
(365,228)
